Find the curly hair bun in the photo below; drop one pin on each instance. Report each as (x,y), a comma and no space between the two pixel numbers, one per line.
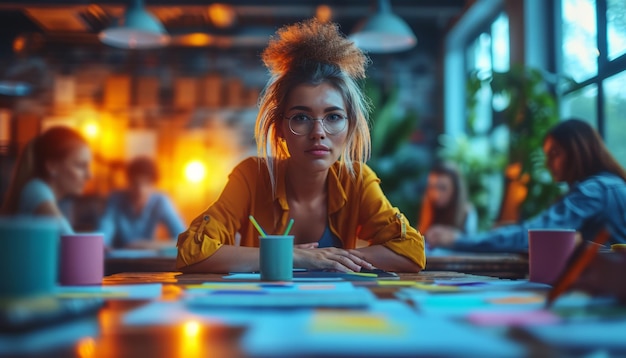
(313,41)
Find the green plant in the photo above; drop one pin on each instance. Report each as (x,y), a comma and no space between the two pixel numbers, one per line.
(397,162)
(531,111)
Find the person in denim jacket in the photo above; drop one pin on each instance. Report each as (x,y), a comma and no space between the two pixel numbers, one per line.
(595,202)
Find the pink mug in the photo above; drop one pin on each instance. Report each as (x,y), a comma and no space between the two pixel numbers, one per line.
(81,259)
(548,253)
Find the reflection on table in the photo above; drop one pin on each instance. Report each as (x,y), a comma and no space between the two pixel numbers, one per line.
(503,265)
(155,257)
(168,314)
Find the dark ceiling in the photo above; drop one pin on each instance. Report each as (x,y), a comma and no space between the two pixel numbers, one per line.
(39,34)
(77,22)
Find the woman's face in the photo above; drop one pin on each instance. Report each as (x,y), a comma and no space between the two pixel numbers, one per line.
(555,159)
(316,150)
(440,189)
(69,175)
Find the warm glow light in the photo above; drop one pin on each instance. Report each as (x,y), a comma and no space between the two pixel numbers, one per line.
(190,342)
(86,347)
(19,44)
(195,171)
(221,15)
(197,39)
(88,121)
(90,129)
(192,328)
(323,13)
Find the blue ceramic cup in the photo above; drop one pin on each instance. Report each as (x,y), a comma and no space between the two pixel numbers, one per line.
(28,256)
(276,257)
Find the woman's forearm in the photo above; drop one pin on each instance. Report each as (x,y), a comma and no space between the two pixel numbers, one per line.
(228,258)
(387,260)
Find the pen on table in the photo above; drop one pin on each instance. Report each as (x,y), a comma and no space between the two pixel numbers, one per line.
(581,258)
(257,226)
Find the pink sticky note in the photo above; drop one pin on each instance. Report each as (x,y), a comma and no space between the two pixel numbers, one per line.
(513,318)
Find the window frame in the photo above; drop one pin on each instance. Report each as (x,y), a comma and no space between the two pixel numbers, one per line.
(606,68)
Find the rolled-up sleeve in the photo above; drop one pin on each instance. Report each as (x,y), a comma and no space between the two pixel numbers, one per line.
(218,224)
(383,224)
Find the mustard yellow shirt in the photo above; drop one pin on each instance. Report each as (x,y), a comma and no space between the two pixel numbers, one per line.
(357,209)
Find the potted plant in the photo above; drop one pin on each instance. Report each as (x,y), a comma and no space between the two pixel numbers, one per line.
(397,161)
(530,112)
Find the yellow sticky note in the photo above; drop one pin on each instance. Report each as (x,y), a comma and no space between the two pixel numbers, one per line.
(364,274)
(435,288)
(103,294)
(225,286)
(516,300)
(353,323)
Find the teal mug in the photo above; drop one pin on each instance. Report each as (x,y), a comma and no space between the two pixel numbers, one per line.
(28,256)
(276,257)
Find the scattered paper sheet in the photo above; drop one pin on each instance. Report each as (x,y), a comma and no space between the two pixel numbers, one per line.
(387,328)
(138,291)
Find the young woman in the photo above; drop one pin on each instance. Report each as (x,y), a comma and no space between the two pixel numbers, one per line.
(313,139)
(445,201)
(53,165)
(595,202)
(132,216)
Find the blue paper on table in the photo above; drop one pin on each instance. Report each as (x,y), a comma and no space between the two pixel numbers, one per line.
(47,340)
(132,253)
(460,304)
(387,328)
(493,285)
(28,314)
(129,292)
(164,313)
(321,275)
(601,335)
(286,297)
(252,276)
(167,313)
(276,287)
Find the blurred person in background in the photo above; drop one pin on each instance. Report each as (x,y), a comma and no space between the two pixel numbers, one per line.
(445,201)
(132,215)
(52,166)
(595,203)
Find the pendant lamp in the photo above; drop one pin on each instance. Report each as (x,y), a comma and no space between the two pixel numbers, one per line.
(384,32)
(137,29)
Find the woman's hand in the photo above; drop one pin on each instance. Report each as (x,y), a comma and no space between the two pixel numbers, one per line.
(309,245)
(330,258)
(441,236)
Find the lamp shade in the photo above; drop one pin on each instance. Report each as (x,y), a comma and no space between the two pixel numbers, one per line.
(137,29)
(384,32)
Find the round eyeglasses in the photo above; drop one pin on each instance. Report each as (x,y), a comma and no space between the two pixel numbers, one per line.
(302,124)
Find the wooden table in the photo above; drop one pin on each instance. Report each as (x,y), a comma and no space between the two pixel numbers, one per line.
(107,335)
(503,265)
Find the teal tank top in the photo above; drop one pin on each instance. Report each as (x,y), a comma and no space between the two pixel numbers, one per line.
(329,239)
